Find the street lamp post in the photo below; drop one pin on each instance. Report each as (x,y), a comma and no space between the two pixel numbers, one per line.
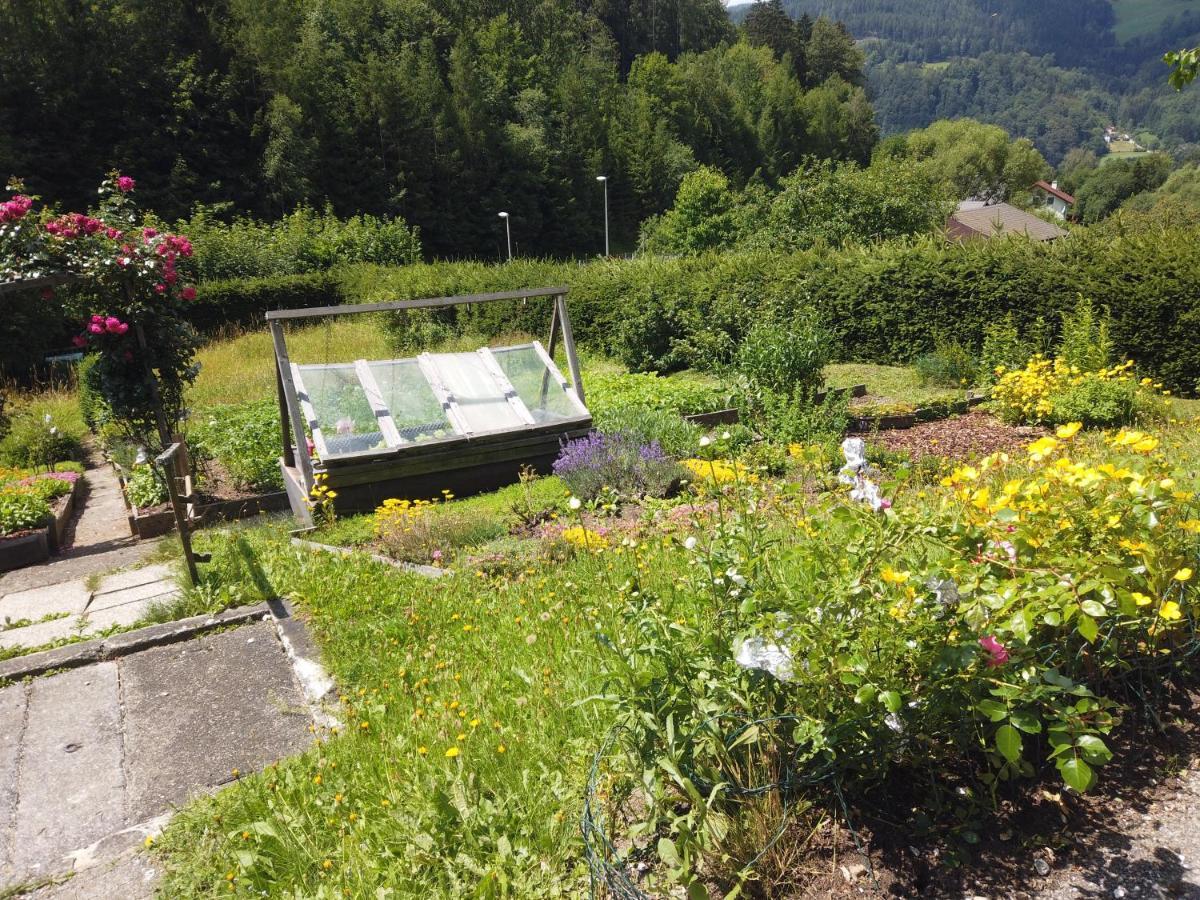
(507,234)
(603,179)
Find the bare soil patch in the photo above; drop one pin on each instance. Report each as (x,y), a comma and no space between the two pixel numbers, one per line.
(969,436)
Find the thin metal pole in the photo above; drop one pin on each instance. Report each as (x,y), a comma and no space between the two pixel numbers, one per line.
(606,218)
(508,237)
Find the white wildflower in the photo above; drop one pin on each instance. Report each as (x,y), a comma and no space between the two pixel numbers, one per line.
(574,503)
(690,543)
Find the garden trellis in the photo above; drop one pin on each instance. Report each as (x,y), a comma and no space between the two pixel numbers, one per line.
(416,426)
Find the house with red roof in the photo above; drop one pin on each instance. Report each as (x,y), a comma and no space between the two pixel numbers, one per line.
(1049,195)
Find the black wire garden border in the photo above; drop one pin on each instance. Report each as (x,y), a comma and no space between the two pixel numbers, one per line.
(609,877)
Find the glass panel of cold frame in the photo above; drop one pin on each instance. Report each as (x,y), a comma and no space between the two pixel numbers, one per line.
(481,402)
(342,411)
(417,412)
(536,385)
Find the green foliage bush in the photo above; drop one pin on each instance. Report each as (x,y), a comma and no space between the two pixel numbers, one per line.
(949,365)
(144,486)
(32,441)
(1002,346)
(302,241)
(20,510)
(244,439)
(674,434)
(245,301)
(787,358)
(92,405)
(1096,403)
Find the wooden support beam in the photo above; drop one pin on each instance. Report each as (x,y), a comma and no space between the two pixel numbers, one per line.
(310,414)
(284,368)
(449,404)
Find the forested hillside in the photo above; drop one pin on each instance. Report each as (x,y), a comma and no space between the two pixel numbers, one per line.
(443,113)
(1055,72)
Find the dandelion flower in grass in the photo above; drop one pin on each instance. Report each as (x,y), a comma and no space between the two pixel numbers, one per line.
(421,751)
(1183,574)
(1068,431)
(574,503)
(1170,611)
(451,753)
(501,749)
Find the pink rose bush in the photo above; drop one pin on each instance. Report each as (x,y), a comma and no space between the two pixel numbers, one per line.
(140,271)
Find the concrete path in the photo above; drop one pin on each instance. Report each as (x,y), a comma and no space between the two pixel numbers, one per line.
(58,611)
(91,759)
(98,540)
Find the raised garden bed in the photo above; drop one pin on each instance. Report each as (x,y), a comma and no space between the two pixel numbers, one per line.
(62,510)
(731,416)
(917,416)
(26,548)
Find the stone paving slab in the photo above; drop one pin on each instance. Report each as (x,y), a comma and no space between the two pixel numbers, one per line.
(130,877)
(132,578)
(109,599)
(71,786)
(36,603)
(128,613)
(12,727)
(197,711)
(41,633)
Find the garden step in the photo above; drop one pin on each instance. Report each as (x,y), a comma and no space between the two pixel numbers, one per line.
(41,633)
(36,603)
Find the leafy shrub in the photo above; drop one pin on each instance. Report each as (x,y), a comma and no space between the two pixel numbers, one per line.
(788,358)
(21,510)
(244,438)
(429,532)
(244,301)
(682,394)
(618,462)
(92,405)
(676,435)
(144,487)
(1085,342)
(50,485)
(949,365)
(35,440)
(1002,348)
(302,241)
(974,634)
(1055,392)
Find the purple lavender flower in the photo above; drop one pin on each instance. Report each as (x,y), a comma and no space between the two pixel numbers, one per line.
(617,461)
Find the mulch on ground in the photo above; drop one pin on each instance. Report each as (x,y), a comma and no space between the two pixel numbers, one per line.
(969,436)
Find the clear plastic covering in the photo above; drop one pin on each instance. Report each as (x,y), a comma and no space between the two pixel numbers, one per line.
(416,410)
(541,390)
(381,404)
(340,409)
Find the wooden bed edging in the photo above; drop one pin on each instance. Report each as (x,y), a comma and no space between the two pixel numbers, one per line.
(427,571)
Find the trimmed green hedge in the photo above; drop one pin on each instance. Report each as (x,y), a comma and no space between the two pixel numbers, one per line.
(890,302)
(246,301)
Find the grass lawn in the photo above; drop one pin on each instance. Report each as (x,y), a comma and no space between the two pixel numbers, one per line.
(467,730)
(1140,17)
(888,384)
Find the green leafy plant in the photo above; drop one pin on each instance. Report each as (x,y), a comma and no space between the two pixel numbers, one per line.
(21,510)
(949,365)
(244,439)
(144,486)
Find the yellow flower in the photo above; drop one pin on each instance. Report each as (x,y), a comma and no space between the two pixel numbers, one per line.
(421,751)
(1141,599)
(1183,574)
(451,753)
(893,577)
(1068,431)
(1042,447)
(501,749)
(1191,525)
(1170,611)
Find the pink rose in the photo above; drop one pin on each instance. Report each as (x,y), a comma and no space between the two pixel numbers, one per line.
(160,288)
(97,318)
(997,654)
(79,340)
(111,323)
(148,233)
(125,184)
(96,328)
(188,292)
(122,328)
(171,277)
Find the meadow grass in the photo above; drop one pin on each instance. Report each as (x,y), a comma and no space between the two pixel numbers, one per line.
(468,724)
(1136,18)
